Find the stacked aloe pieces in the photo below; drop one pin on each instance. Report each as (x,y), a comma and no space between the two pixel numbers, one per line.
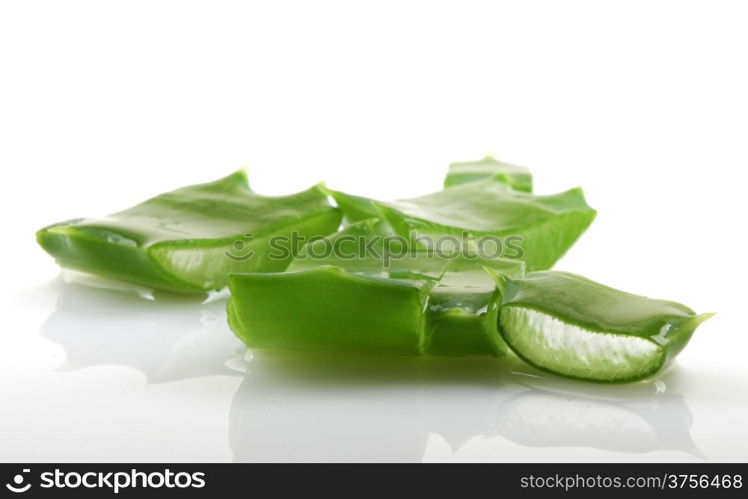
(462,271)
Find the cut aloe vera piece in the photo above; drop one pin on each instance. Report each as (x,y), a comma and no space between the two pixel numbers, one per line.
(452,313)
(327,308)
(517,177)
(537,229)
(571,326)
(463,304)
(190,239)
(337,294)
(463,308)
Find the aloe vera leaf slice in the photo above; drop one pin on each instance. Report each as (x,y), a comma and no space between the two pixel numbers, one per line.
(463,303)
(544,227)
(517,177)
(178,241)
(569,325)
(327,308)
(463,308)
(396,287)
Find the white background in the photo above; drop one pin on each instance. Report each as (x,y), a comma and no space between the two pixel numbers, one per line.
(102,104)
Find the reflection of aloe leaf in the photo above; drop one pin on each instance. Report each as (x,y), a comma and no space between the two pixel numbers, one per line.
(186,240)
(167,341)
(308,407)
(299,406)
(542,419)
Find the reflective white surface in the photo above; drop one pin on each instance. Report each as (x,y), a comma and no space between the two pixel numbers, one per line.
(104,104)
(129,378)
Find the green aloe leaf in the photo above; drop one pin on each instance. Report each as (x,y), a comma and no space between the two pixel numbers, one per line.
(568,325)
(363,289)
(327,308)
(190,239)
(463,303)
(338,294)
(517,177)
(537,229)
(365,248)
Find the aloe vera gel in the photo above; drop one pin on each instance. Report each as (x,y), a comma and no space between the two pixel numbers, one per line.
(569,325)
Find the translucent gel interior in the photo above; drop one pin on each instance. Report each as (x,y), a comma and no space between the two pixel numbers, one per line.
(198,266)
(567,349)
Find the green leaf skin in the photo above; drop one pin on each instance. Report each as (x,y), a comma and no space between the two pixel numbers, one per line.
(327,308)
(568,325)
(463,308)
(463,303)
(178,241)
(327,301)
(547,225)
(361,248)
(518,178)
(454,313)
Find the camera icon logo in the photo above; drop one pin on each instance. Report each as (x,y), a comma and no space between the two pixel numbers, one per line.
(17,483)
